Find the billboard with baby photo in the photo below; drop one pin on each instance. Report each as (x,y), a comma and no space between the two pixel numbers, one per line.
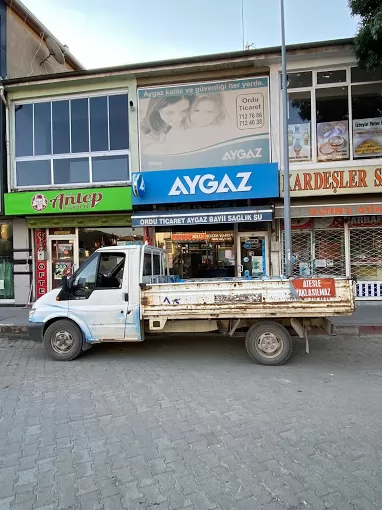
(201,125)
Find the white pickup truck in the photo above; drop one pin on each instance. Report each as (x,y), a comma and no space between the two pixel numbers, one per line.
(122,293)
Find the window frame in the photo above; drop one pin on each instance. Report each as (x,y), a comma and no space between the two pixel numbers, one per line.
(97,256)
(72,155)
(314,163)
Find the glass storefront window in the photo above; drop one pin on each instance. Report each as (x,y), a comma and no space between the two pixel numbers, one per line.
(359,75)
(302,253)
(299,126)
(299,80)
(199,254)
(332,123)
(330,252)
(341,134)
(367,120)
(62,258)
(6,261)
(324,77)
(366,253)
(90,239)
(366,101)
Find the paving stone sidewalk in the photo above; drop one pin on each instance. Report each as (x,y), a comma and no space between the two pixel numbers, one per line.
(191,423)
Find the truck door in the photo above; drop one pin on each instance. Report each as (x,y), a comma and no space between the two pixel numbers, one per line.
(99,295)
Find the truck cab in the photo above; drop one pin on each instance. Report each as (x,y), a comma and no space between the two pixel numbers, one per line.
(101,299)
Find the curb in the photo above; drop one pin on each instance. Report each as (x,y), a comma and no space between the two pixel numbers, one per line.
(350,329)
(14,331)
(346,330)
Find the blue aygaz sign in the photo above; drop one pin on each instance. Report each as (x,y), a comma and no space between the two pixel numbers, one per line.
(206,184)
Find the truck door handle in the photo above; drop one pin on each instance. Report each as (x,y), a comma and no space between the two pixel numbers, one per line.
(126,296)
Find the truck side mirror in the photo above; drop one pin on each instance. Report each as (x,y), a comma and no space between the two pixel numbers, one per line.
(65,284)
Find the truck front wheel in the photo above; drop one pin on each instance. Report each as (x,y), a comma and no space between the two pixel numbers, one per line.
(63,340)
(268,343)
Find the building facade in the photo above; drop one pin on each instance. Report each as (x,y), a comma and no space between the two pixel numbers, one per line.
(69,174)
(335,149)
(194,148)
(206,184)
(24,52)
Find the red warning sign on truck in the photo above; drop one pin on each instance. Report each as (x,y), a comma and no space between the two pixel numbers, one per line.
(310,288)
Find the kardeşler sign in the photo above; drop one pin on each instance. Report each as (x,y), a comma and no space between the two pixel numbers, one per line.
(68,201)
(206,184)
(338,181)
(210,124)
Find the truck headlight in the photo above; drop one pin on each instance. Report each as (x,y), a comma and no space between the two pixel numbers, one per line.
(31,313)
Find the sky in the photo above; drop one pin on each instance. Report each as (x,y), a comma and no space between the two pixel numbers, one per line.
(115,32)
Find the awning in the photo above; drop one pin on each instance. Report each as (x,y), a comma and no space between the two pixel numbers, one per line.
(202,216)
(80,220)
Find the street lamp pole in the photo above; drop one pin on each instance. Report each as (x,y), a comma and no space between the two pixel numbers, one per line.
(287,211)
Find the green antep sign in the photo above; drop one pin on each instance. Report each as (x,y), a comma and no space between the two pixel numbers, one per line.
(92,200)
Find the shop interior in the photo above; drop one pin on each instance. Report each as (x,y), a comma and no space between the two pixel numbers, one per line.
(199,254)
(216,253)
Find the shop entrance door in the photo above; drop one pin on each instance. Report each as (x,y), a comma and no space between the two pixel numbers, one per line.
(253,254)
(62,257)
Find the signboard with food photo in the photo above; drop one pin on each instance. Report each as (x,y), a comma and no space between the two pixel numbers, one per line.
(332,140)
(61,269)
(367,138)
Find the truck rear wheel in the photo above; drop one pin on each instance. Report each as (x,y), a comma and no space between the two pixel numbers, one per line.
(268,343)
(63,340)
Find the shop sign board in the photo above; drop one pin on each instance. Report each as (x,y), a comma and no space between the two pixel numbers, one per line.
(189,237)
(202,236)
(209,184)
(352,221)
(90,200)
(299,142)
(314,288)
(201,217)
(367,138)
(333,140)
(325,222)
(41,263)
(206,124)
(304,214)
(338,181)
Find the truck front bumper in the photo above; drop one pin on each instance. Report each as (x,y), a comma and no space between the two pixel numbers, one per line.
(35,330)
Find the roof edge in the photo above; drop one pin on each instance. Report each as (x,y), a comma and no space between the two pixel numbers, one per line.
(182,61)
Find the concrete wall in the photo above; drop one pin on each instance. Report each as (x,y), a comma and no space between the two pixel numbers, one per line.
(26,50)
(23,269)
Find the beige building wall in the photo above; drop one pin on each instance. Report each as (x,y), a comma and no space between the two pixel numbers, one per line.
(26,50)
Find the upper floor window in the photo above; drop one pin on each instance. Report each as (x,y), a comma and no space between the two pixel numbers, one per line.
(82,140)
(334,115)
